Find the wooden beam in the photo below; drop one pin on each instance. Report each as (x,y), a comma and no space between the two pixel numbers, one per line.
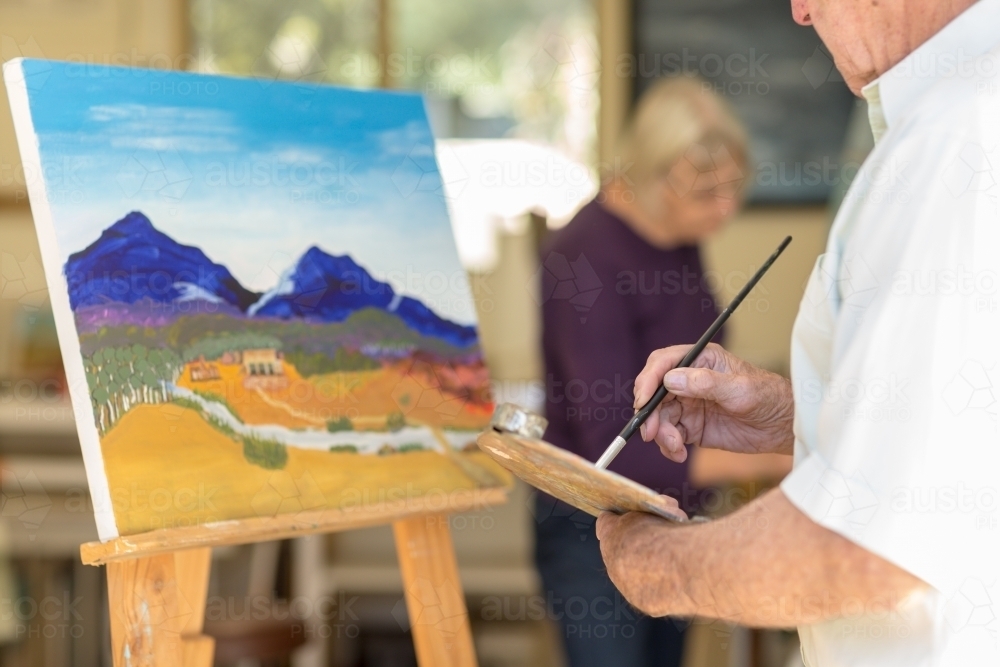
(614,36)
(435,604)
(157,607)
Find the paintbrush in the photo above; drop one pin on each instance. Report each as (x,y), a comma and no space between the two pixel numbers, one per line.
(643,413)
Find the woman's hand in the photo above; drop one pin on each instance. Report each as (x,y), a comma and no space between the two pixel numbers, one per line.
(720,402)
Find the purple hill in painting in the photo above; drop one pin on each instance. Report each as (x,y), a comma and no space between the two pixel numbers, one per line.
(330,288)
(133,261)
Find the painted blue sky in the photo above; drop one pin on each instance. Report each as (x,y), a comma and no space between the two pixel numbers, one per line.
(253,172)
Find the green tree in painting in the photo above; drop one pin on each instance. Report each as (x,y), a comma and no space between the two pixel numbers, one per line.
(339,424)
(215,346)
(395,421)
(120,378)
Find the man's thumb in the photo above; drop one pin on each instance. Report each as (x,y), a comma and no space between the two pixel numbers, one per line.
(692,382)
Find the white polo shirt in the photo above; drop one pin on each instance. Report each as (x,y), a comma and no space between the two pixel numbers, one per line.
(894,361)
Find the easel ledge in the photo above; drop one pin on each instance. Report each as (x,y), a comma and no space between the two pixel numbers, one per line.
(282,526)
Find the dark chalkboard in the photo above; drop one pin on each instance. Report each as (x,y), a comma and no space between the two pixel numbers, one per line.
(776,73)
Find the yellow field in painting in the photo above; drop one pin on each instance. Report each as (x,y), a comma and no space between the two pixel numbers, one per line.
(166,467)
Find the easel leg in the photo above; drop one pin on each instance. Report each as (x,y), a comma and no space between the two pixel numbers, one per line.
(434,599)
(158,608)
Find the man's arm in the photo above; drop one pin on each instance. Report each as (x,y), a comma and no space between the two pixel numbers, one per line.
(766,565)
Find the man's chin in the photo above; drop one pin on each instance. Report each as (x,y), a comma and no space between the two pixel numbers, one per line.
(855,78)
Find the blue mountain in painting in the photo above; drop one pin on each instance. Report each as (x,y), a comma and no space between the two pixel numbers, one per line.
(133,261)
(330,288)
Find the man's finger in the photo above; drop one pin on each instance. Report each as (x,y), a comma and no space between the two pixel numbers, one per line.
(658,363)
(671,410)
(666,359)
(606,522)
(707,384)
(648,430)
(671,442)
(676,506)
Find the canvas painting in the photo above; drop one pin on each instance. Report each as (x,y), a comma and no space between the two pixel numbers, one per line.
(256,290)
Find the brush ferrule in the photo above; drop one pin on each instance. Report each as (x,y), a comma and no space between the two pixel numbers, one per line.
(610,453)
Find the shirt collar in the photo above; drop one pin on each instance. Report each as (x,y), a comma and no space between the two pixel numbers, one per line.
(971,34)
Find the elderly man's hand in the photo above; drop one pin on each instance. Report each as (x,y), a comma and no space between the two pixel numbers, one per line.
(721,402)
(635,564)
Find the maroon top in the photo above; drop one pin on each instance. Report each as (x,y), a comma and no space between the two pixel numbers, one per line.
(608,300)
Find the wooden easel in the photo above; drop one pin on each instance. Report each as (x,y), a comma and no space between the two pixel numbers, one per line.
(158,581)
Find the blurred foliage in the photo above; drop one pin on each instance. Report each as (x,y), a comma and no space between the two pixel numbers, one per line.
(293,39)
(532,63)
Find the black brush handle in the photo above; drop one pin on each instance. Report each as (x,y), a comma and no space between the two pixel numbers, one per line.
(642,415)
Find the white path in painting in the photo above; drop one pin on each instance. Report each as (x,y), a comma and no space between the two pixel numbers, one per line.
(366,442)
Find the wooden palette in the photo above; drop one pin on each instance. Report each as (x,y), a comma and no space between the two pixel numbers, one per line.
(571,478)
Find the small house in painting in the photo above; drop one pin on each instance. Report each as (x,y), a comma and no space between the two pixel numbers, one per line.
(231,357)
(263,369)
(203,371)
(262,362)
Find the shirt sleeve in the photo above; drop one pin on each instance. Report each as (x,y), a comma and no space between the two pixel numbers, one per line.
(897,445)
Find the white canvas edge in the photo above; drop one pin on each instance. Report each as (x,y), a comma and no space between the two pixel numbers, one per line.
(69,341)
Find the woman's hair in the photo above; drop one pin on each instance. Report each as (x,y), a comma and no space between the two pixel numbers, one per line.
(671,117)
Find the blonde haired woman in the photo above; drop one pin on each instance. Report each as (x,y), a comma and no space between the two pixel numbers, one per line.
(633,259)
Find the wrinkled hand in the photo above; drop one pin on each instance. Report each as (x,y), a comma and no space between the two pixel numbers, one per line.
(720,402)
(636,564)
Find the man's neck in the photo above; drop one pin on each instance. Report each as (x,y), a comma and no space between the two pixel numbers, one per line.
(907,25)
